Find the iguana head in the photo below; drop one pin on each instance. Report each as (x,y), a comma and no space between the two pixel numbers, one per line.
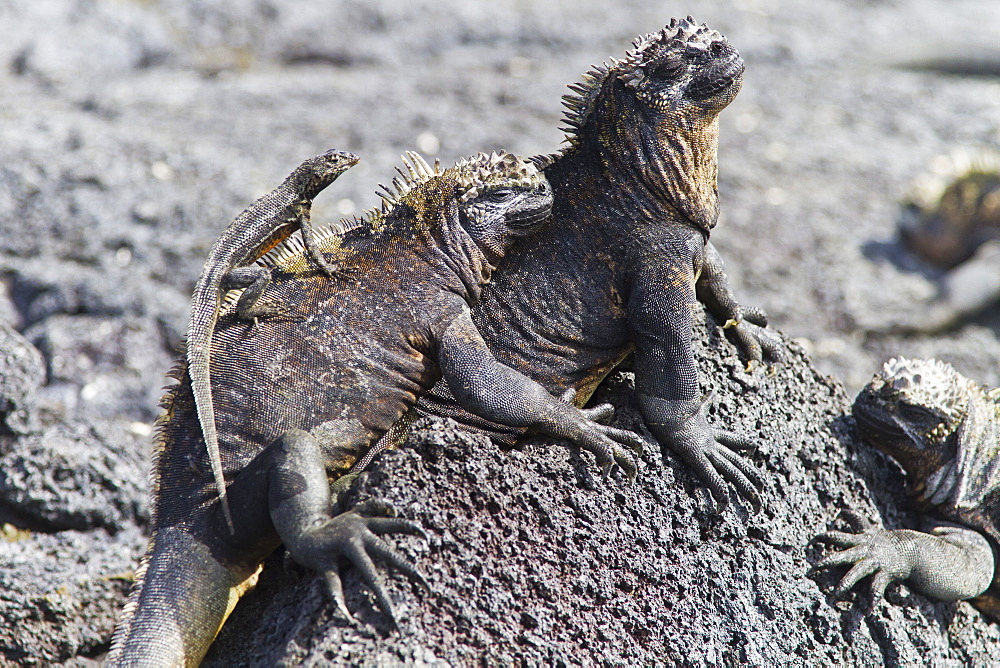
(912,411)
(501,197)
(681,66)
(656,111)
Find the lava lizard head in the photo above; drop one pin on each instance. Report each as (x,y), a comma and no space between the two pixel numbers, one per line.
(912,411)
(501,198)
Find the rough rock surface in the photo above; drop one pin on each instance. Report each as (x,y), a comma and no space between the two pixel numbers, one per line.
(133,132)
(533,558)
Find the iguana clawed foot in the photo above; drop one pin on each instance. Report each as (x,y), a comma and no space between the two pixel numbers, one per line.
(749,332)
(712,453)
(606,442)
(355,535)
(871,550)
(946,562)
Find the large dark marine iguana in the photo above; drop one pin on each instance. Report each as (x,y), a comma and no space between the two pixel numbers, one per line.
(944,430)
(300,398)
(625,259)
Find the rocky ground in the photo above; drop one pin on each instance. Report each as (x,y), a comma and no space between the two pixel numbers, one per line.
(134,131)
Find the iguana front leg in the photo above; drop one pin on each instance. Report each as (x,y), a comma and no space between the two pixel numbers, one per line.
(747,326)
(491,390)
(948,562)
(660,314)
(254,279)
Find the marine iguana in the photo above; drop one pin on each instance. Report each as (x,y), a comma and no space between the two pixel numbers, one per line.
(299,399)
(261,227)
(626,258)
(951,219)
(944,430)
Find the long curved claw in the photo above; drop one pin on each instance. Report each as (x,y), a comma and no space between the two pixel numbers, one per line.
(739,473)
(335,588)
(357,552)
(840,538)
(387,555)
(849,556)
(355,536)
(859,570)
(880,583)
(859,523)
(605,442)
(756,342)
(381,526)
(682,425)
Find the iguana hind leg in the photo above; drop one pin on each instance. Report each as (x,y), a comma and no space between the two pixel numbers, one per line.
(300,503)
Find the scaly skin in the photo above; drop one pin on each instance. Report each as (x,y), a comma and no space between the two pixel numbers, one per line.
(944,430)
(299,399)
(626,258)
(262,226)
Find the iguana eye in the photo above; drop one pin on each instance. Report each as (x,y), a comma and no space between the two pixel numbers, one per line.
(502,195)
(912,413)
(669,68)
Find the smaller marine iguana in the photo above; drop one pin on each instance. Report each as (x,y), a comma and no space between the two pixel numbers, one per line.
(944,430)
(262,226)
(300,399)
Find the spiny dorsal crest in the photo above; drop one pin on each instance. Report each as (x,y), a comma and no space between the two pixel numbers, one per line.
(417,173)
(928,188)
(498,168)
(678,34)
(471,175)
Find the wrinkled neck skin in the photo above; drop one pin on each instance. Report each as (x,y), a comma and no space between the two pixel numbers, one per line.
(446,245)
(670,162)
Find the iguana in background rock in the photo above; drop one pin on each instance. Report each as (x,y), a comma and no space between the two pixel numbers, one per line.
(626,258)
(299,399)
(944,430)
(262,226)
(951,219)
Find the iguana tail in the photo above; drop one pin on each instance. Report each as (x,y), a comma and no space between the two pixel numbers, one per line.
(179,601)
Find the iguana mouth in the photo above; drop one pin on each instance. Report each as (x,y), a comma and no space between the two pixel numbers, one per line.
(527,219)
(875,425)
(718,76)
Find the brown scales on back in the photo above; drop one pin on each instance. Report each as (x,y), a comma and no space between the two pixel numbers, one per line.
(944,430)
(625,260)
(298,399)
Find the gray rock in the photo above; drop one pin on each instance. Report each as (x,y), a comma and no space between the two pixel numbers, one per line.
(60,594)
(21,374)
(533,559)
(76,477)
